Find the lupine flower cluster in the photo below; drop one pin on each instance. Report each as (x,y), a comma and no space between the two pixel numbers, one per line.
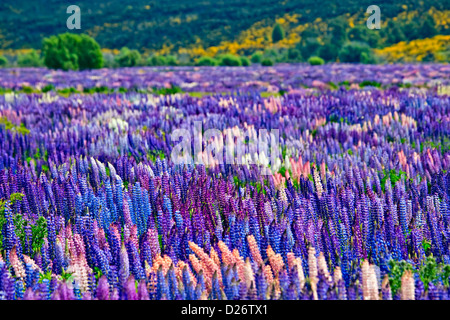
(357,207)
(224,79)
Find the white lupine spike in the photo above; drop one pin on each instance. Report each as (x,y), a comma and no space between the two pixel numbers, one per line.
(407,291)
(150,171)
(101,169)
(312,265)
(248,272)
(373,284)
(370,282)
(322,263)
(365,277)
(337,275)
(112,171)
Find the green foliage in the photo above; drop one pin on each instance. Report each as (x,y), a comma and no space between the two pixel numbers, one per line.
(14,197)
(245,61)
(89,53)
(66,275)
(48,87)
(257,57)
(57,53)
(267,62)
(47,275)
(3,61)
(97,273)
(128,58)
(370,83)
(71,51)
(432,272)
(206,61)
(38,233)
(156,61)
(396,270)
(167,91)
(294,54)
(395,33)
(309,45)
(356,52)
(230,60)
(31,59)
(329,52)
(171,61)
(393,176)
(210,21)
(315,61)
(10,126)
(277,33)
(427,28)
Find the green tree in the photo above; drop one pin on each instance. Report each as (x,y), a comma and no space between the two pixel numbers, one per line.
(329,52)
(171,61)
(230,60)
(157,61)
(89,53)
(3,61)
(277,33)
(267,62)
(337,32)
(309,46)
(245,61)
(206,61)
(31,59)
(294,54)
(256,57)
(356,52)
(427,28)
(71,51)
(394,33)
(128,58)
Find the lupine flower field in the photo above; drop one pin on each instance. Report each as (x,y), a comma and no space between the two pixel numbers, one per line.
(92,207)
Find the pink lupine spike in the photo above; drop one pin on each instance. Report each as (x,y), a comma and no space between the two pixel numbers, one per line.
(206,261)
(155,249)
(134,236)
(167,263)
(17,265)
(254,250)
(79,244)
(294,262)
(126,212)
(240,264)
(157,261)
(227,256)
(323,169)
(275,260)
(268,274)
(214,257)
(179,271)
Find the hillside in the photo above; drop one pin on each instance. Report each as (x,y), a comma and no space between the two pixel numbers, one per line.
(183,24)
